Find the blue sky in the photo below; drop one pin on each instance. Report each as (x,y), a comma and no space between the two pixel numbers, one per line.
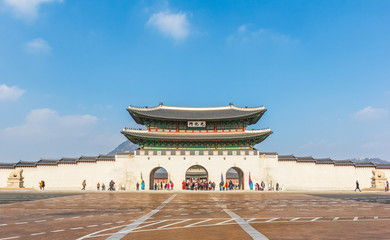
(69,69)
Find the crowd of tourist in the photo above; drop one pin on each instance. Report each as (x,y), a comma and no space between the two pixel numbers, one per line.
(198,185)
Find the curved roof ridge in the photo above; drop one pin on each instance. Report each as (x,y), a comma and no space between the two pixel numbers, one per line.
(230,106)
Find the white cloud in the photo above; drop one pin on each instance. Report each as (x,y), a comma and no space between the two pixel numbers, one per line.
(47,134)
(371,113)
(27,9)
(242,28)
(41,123)
(172,25)
(262,35)
(38,45)
(10,93)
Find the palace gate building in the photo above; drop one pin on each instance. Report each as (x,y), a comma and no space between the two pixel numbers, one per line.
(188,143)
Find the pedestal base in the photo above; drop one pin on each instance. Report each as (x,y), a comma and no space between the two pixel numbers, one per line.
(15,183)
(378,183)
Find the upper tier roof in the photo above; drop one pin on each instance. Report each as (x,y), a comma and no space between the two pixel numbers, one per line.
(163,112)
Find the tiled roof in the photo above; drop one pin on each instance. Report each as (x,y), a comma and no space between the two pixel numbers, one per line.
(323,160)
(88,158)
(68,160)
(7,165)
(25,164)
(342,162)
(232,175)
(161,175)
(48,162)
(230,112)
(364,164)
(330,161)
(305,159)
(287,157)
(383,165)
(104,157)
(144,134)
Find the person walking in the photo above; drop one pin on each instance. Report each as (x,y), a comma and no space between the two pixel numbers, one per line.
(143,185)
(40,184)
(387,186)
(84,184)
(98,186)
(137,186)
(357,186)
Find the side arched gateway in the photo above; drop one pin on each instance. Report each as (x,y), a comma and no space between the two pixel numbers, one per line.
(236,175)
(158,175)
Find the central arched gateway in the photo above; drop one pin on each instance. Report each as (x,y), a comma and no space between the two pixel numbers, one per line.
(197,172)
(158,175)
(236,175)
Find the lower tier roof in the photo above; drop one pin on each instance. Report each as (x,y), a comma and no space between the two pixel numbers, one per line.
(136,135)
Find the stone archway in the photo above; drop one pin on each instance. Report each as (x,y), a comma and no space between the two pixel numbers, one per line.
(158,175)
(236,175)
(197,172)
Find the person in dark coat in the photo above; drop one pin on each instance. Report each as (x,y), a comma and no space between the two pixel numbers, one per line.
(357,186)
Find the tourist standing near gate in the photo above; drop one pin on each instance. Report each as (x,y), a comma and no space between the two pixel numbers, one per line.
(357,186)
(98,186)
(84,184)
(137,186)
(387,186)
(143,185)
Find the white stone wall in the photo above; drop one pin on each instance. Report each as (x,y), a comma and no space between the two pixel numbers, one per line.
(126,171)
(70,176)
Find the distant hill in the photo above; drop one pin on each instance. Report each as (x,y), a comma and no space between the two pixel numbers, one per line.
(373,160)
(126,146)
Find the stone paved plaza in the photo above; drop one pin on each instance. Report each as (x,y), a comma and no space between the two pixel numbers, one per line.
(194,215)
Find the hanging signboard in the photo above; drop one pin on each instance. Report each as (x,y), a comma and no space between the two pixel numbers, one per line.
(196,124)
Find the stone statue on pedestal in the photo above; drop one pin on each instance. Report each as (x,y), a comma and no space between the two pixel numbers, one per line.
(15,179)
(378,179)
